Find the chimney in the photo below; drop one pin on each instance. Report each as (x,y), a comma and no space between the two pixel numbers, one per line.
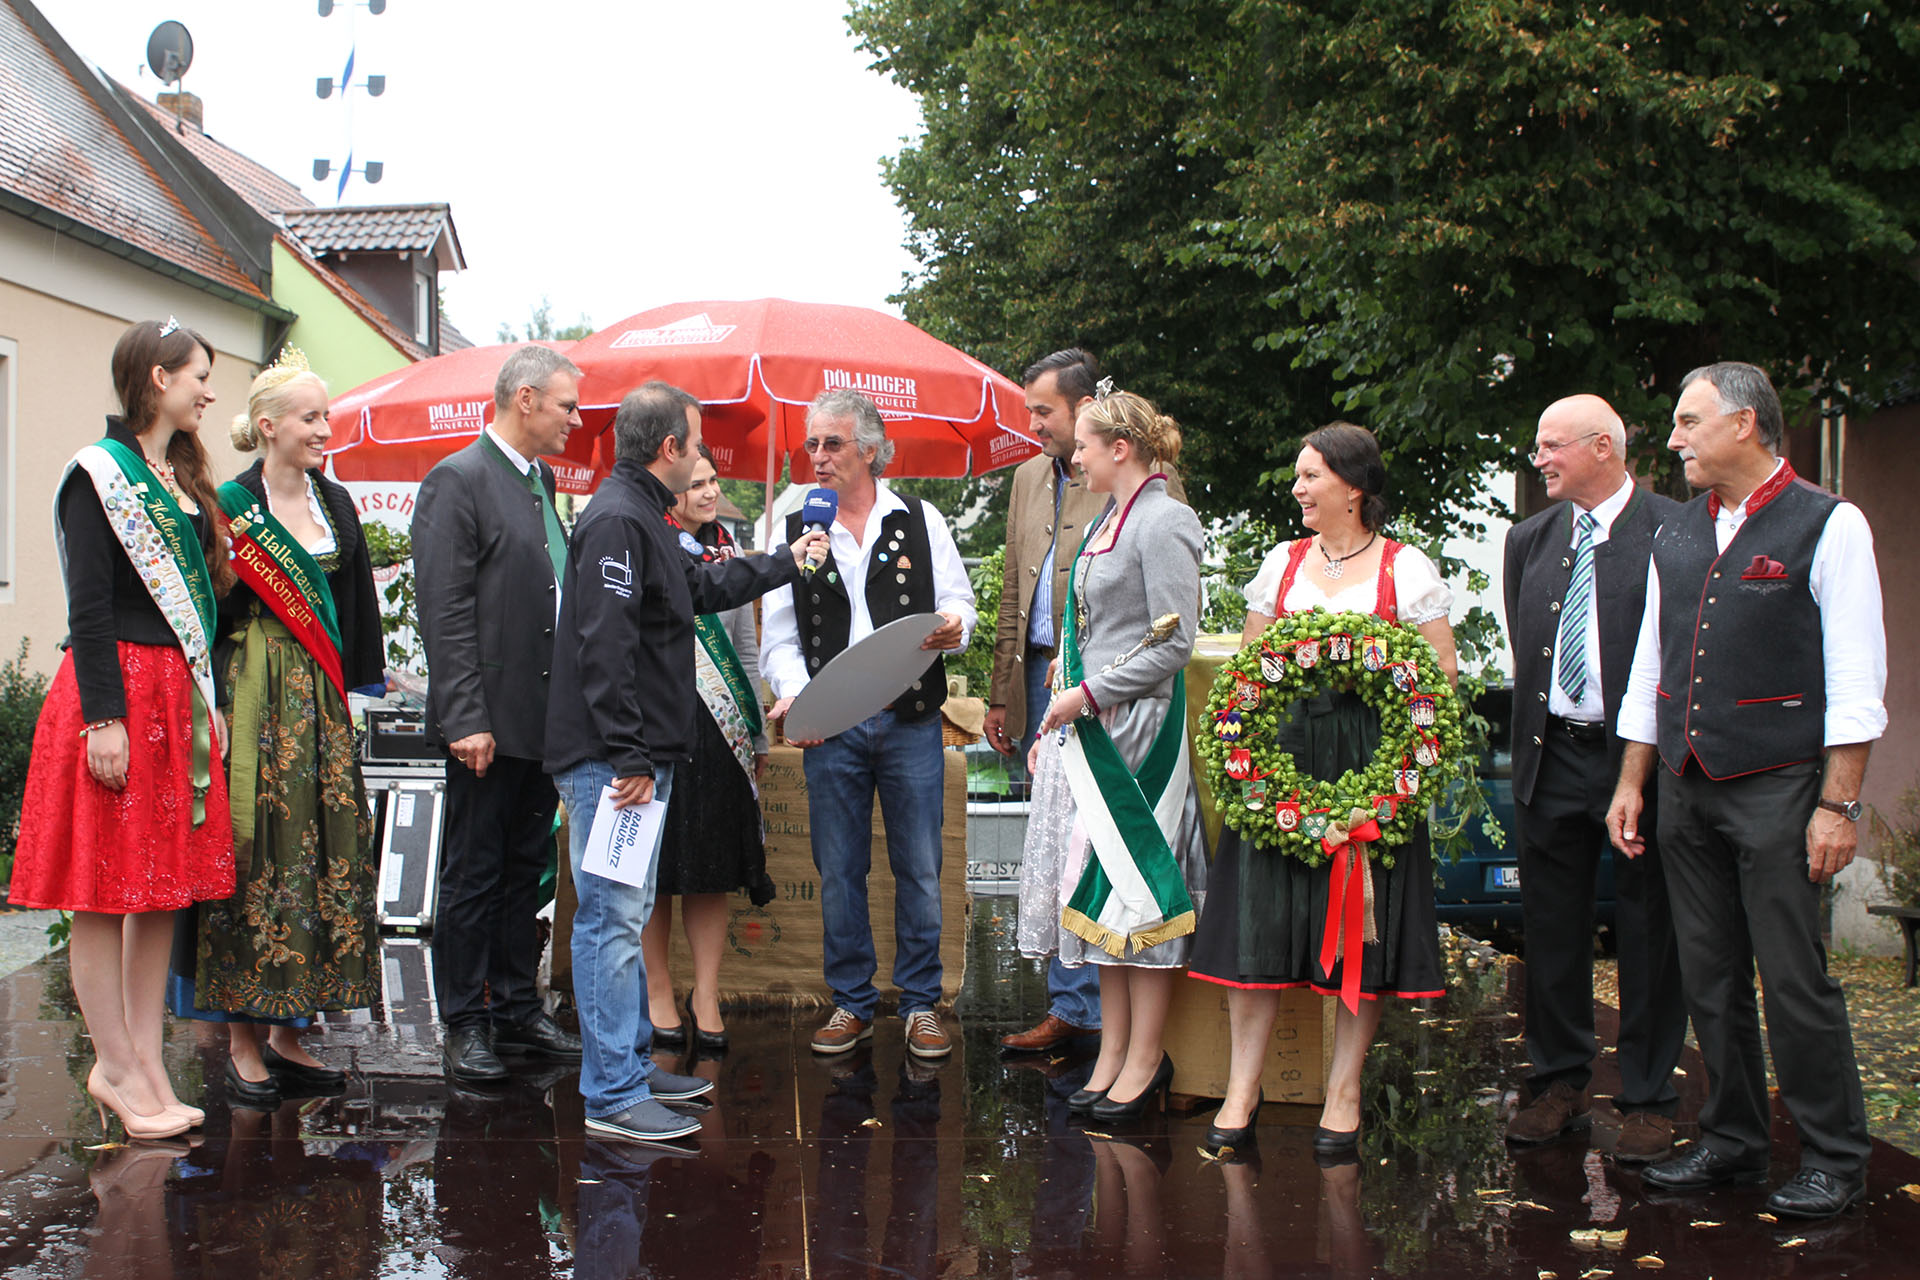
(184,107)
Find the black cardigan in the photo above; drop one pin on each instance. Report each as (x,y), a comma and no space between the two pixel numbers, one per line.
(106,601)
(362,647)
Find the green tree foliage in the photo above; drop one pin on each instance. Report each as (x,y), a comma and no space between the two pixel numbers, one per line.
(22,691)
(1433,219)
(540,326)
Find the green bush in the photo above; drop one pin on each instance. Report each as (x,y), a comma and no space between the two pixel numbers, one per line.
(1896,848)
(21,693)
(975,662)
(400,614)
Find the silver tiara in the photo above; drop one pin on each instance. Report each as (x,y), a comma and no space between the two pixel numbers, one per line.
(169,326)
(1103,388)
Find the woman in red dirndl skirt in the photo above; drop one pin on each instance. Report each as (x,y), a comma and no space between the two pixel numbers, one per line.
(106,827)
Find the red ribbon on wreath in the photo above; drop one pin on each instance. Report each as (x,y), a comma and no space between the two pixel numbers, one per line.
(1349,925)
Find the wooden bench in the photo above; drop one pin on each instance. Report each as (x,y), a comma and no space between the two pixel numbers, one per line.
(1908,918)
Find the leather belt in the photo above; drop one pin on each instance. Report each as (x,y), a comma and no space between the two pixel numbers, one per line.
(1579,730)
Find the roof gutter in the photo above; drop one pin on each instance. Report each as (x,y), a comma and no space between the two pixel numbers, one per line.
(99,239)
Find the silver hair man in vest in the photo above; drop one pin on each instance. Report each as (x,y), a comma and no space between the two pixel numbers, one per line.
(1759,683)
(889,557)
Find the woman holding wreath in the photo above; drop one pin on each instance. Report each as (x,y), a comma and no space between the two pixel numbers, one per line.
(1116,856)
(1267,916)
(124,819)
(299,629)
(715,841)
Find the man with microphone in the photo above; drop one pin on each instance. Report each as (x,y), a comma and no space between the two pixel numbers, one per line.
(889,557)
(622,716)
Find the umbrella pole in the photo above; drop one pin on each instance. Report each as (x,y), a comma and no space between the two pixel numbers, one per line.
(773,430)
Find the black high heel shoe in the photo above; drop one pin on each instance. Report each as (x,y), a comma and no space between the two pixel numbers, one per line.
(260,1095)
(1083,1101)
(1237,1138)
(1332,1142)
(1133,1108)
(708,1041)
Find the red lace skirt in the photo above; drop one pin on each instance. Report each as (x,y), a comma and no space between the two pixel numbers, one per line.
(85,847)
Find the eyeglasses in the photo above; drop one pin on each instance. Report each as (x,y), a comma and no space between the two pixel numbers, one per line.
(824,444)
(1540,453)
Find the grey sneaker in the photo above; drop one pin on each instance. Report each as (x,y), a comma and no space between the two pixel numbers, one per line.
(646,1121)
(669,1087)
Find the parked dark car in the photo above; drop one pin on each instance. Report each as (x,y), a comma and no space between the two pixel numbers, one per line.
(1481,891)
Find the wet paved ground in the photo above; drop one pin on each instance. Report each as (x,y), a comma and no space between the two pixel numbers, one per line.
(866,1165)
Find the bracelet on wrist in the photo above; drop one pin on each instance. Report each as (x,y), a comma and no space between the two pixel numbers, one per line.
(99,724)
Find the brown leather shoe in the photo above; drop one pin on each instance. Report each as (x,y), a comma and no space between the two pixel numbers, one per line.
(1051,1032)
(841,1032)
(926,1038)
(1644,1137)
(1561,1109)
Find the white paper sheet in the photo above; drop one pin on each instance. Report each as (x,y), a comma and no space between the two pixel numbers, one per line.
(622,842)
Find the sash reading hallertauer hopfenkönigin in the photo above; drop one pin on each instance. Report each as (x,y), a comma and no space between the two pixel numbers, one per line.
(1132,891)
(166,554)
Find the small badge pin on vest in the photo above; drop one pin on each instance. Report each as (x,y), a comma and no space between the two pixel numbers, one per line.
(903,564)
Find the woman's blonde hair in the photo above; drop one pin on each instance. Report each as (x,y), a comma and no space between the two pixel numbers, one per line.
(271,396)
(1122,415)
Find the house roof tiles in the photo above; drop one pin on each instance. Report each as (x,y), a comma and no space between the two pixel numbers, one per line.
(402,228)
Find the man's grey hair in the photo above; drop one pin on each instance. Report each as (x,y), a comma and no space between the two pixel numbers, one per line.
(647,416)
(1742,386)
(531,366)
(869,428)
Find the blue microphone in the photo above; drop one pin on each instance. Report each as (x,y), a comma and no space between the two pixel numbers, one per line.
(817,513)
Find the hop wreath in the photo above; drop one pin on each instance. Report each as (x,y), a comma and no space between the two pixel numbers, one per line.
(1269,801)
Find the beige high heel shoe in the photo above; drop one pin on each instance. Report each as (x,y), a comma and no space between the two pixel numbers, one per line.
(138,1126)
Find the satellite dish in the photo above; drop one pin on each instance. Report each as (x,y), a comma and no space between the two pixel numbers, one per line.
(169,52)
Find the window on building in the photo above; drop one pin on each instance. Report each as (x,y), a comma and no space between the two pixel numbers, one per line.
(9,507)
(423,310)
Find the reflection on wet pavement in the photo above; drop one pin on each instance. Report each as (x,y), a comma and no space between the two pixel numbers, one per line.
(869,1164)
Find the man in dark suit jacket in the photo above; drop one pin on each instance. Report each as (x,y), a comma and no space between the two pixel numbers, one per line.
(1574,599)
(489,554)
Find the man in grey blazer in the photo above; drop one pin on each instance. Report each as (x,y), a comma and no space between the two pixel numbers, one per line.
(489,555)
(1576,582)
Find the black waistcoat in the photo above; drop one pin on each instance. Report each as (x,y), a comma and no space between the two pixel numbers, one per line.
(1742,672)
(823,611)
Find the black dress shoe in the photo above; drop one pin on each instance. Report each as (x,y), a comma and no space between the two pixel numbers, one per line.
(709,1041)
(298,1077)
(1241,1138)
(670,1037)
(1333,1142)
(1110,1108)
(260,1095)
(1815,1193)
(1082,1101)
(1699,1168)
(469,1059)
(540,1035)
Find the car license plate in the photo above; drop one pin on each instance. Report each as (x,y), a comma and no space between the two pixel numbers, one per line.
(1503,877)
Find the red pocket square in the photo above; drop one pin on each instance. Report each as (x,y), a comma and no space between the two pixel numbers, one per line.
(1763,568)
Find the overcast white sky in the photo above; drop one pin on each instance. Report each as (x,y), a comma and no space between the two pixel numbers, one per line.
(612,156)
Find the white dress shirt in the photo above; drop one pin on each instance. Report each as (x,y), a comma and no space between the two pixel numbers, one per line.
(1592,706)
(781,661)
(1845,584)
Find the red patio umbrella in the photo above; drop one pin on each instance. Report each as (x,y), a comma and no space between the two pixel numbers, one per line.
(757,365)
(399,424)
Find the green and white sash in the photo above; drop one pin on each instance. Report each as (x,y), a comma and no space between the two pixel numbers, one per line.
(722,680)
(166,554)
(1132,891)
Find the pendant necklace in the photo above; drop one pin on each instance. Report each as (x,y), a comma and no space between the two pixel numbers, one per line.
(1337,565)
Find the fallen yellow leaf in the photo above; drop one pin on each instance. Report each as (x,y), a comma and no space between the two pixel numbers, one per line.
(1766,1217)
(1794,1243)
(1594,1273)
(1911,1190)
(1490,1192)
(870,1123)
(1544,1274)
(1649,1262)
(1531,1204)
(1586,1237)
(1703,1222)
(1613,1239)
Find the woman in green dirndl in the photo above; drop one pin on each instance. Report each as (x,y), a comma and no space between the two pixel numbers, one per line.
(300,628)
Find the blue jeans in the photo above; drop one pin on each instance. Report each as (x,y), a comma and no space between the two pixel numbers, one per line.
(904,764)
(609,976)
(1073,995)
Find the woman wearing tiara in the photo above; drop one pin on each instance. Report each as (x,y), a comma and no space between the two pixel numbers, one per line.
(300,628)
(124,819)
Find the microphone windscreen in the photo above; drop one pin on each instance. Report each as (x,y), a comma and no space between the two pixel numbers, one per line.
(821,506)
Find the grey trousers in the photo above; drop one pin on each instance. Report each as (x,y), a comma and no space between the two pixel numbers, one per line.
(1736,863)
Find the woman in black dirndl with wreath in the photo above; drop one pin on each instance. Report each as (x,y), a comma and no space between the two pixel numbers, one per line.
(1266,922)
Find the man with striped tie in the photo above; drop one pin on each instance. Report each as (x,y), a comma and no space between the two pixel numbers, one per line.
(1576,578)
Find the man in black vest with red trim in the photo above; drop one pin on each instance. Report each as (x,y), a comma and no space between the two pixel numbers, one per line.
(1759,681)
(889,557)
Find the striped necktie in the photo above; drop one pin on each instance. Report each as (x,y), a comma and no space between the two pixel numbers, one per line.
(1571,669)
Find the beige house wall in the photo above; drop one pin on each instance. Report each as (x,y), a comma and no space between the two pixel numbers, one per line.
(63,305)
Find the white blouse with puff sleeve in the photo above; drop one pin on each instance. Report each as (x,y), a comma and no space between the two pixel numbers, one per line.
(1421,594)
